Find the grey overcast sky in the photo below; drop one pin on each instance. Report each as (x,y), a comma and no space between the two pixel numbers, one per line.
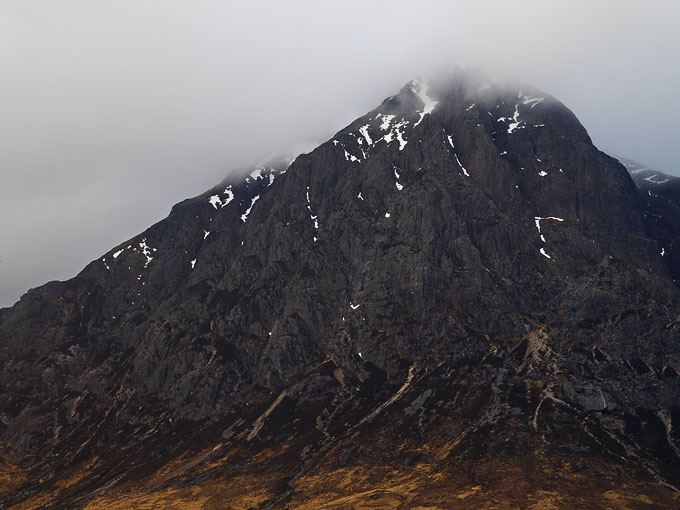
(112,111)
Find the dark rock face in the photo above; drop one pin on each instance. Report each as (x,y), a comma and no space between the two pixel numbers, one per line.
(460,258)
(660,194)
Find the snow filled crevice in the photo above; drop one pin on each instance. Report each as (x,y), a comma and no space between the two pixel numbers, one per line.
(244,216)
(421,89)
(465,172)
(516,123)
(314,217)
(230,195)
(461,166)
(396,176)
(364,132)
(537,222)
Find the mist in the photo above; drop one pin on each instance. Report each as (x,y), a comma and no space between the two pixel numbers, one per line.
(111,112)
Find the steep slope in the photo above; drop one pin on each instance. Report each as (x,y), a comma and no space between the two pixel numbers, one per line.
(660,194)
(646,178)
(458,282)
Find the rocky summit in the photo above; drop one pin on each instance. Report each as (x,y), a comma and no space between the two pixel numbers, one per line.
(456,302)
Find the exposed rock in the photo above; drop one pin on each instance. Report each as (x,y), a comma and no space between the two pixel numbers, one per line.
(459,278)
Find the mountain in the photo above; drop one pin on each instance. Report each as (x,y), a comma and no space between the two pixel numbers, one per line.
(648,179)
(457,301)
(661,212)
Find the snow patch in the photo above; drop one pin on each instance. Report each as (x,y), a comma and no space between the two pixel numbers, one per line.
(461,166)
(146,250)
(215,201)
(537,222)
(230,195)
(538,219)
(421,89)
(651,179)
(244,216)
(257,173)
(115,255)
(533,101)
(638,170)
(386,121)
(515,124)
(364,132)
(193,263)
(396,175)
(542,173)
(312,216)
(400,137)
(396,131)
(351,157)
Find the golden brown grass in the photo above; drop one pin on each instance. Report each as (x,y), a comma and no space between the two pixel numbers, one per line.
(536,481)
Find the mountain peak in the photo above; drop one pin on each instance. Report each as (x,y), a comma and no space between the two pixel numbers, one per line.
(456,278)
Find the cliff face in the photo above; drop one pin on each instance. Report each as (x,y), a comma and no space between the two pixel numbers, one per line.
(660,194)
(458,282)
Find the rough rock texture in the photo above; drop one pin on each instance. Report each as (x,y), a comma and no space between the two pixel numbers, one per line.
(661,211)
(456,302)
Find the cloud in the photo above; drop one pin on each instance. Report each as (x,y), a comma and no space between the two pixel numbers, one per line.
(113,111)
